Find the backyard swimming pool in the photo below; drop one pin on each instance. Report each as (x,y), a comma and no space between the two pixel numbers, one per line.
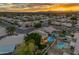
(61,45)
(51,39)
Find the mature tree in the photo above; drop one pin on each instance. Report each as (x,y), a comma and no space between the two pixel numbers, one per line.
(10,30)
(35,36)
(15,23)
(31,45)
(73,22)
(26,48)
(1,20)
(49,22)
(37,25)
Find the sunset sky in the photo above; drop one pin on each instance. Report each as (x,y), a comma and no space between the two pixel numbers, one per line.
(37,7)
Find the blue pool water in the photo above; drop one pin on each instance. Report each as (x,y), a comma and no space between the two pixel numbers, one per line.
(6,49)
(51,39)
(61,45)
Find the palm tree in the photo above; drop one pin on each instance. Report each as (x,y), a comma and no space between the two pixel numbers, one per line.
(11,30)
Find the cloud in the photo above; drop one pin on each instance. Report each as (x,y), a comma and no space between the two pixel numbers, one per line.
(37,7)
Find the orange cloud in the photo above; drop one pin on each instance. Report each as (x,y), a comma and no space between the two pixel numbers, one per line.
(41,7)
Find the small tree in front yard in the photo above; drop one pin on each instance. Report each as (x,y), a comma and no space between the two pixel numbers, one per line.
(73,22)
(37,25)
(10,30)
